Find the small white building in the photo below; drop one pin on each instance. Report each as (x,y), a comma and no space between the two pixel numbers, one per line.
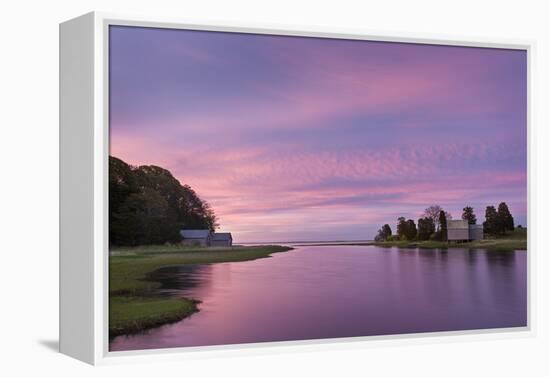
(196,237)
(204,237)
(221,239)
(460,230)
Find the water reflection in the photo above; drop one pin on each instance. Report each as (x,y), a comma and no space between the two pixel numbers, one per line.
(181,280)
(328,292)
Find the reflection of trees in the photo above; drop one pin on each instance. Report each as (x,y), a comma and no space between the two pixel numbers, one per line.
(502,258)
(472,256)
(174,279)
(507,284)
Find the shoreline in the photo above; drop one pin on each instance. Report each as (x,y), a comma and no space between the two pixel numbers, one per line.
(488,245)
(134,306)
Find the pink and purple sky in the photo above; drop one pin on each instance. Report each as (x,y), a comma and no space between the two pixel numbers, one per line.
(292,138)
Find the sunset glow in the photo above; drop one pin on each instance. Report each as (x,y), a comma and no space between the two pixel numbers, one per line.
(292,138)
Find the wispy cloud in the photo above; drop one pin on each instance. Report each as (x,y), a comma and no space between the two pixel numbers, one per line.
(309,138)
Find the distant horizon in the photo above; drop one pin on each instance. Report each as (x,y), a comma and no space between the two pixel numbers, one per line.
(317,138)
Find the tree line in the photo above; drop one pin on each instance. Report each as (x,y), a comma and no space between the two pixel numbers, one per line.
(147,205)
(433,224)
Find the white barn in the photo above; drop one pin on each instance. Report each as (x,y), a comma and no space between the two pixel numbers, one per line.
(221,239)
(460,230)
(196,237)
(204,237)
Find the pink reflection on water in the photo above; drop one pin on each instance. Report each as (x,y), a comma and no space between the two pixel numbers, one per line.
(332,292)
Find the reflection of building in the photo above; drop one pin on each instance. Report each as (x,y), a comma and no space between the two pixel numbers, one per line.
(460,230)
(204,237)
(221,239)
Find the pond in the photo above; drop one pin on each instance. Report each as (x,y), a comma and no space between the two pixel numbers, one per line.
(319,292)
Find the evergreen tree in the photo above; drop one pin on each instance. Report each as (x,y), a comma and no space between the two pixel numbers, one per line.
(469,215)
(490,225)
(411,231)
(387,231)
(401,227)
(426,228)
(505,221)
(443,225)
(384,233)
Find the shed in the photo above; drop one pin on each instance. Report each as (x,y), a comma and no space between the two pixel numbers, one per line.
(460,230)
(222,239)
(196,237)
(476,231)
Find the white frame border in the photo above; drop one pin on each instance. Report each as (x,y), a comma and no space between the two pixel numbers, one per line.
(102,21)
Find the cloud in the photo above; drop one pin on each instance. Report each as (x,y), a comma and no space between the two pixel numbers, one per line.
(330,137)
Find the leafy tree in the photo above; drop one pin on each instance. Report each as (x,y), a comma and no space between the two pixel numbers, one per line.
(402,227)
(433,212)
(490,225)
(411,231)
(147,205)
(505,221)
(383,234)
(387,231)
(443,225)
(406,229)
(469,215)
(191,211)
(144,218)
(426,228)
(122,183)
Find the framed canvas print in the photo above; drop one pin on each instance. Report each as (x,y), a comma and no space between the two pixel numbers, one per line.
(224,186)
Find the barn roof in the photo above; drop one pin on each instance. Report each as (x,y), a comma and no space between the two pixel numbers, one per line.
(221,236)
(195,233)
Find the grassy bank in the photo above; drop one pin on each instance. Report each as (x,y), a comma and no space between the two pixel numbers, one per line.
(133,305)
(516,240)
(495,244)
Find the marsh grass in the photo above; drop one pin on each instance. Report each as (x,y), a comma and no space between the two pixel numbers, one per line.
(510,241)
(133,305)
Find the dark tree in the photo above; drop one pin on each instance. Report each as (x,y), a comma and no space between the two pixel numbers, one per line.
(426,228)
(411,230)
(443,225)
(122,183)
(383,234)
(144,218)
(147,205)
(469,215)
(402,227)
(490,225)
(433,213)
(387,231)
(505,221)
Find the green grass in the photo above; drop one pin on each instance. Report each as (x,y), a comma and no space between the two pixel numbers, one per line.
(133,314)
(133,304)
(490,244)
(516,240)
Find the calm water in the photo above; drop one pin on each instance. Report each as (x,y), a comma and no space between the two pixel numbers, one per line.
(341,291)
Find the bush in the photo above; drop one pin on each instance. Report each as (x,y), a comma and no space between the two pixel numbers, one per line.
(435,236)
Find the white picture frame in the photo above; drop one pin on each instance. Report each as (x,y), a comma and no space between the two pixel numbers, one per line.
(84,188)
